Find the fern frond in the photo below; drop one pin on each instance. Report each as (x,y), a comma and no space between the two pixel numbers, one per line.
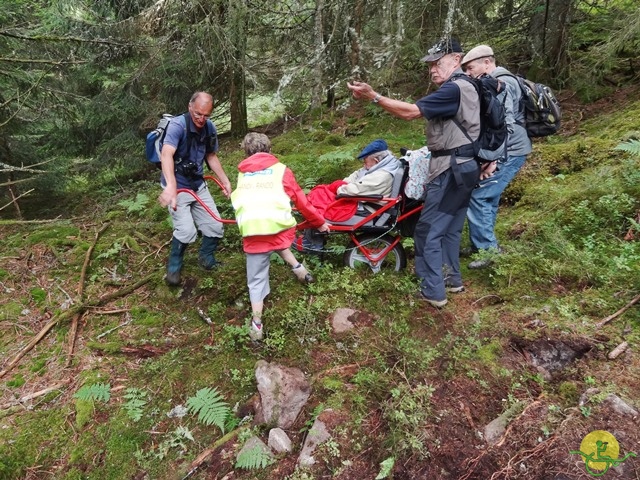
(253,458)
(97,391)
(210,406)
(631,146)
(135,401)
(385,468)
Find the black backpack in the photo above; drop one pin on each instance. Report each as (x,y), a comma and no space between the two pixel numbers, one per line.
(542,112)
(492,142)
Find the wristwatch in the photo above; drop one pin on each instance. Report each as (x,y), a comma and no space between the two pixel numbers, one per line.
(377,98)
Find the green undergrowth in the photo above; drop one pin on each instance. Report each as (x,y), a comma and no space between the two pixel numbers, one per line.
(566,266)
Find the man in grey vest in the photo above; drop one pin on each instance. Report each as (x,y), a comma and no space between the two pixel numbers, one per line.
(483,207)
(453,172)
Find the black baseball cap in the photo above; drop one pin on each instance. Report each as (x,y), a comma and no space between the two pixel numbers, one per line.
(442,48)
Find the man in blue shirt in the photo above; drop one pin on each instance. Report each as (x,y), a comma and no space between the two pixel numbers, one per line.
(190,140)
(453,117)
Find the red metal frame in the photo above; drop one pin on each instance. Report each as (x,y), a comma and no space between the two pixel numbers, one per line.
(371,254)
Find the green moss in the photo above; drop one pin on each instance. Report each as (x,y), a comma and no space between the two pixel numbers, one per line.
(335,140)
(108,347)
(332,383)
(147,318)
(55,235)
(17,381)
(84,412)
(34,438)
(11,310)
(74,474)
(490,352)
(569,393)
(38,365)
(38,295)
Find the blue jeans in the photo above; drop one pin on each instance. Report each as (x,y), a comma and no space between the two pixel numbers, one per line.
(439,229)
(483,206)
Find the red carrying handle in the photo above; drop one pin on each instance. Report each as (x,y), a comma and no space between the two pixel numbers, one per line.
(199,200)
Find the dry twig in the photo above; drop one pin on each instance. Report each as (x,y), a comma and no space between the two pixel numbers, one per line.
(619,312)
(37,394)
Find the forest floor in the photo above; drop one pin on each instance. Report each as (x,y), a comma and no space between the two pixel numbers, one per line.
(91,286)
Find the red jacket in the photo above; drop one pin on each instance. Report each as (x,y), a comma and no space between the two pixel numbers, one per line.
(284,239)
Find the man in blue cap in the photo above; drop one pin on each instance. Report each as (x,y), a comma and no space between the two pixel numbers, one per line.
(376,175)
(374,178)
(453,124)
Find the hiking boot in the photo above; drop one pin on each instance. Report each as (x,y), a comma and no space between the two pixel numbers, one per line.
(173,279)
(256,332)
(302,274)
(486,261)
(174,265)
(206,257)
(479,264)
(468,251)
(434,303)
(454,289)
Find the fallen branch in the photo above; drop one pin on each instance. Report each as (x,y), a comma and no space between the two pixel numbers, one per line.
(16,198)
(87,258)
(72,338)
(619,312)
(40,393)
(204,456)
(111,312)
(76,319)
(158,248)
(619,350)
(26,222)
(487,296)
(76,309)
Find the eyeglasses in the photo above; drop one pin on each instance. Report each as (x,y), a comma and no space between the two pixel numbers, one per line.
(200,115)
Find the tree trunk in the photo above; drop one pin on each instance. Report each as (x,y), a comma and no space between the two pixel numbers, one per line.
(318,86)
(237,92)
(549,35)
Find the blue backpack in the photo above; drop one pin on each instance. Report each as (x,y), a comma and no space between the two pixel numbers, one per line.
(155,138)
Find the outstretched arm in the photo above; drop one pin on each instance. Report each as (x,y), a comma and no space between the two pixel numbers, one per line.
(397,108)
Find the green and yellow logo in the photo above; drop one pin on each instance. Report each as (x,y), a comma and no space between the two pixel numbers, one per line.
(600,451)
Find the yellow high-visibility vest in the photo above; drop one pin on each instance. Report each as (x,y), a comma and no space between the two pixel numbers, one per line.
(261,204)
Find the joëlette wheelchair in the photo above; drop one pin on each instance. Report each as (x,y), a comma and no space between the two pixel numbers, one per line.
(378,227)
(375,231)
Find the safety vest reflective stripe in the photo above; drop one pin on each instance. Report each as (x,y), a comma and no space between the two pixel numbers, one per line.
(261,204)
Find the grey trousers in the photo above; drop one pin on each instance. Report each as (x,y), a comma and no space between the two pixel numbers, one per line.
(258,275)
(190,216)
(439,229)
